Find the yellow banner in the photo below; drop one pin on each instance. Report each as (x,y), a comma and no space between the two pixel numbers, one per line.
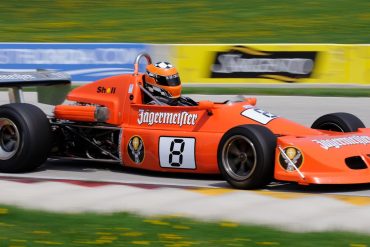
(273,63)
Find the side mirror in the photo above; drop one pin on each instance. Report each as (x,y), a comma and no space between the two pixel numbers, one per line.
(251,101)
(205,105)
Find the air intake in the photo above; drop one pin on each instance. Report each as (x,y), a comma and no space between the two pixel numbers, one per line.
(355,163)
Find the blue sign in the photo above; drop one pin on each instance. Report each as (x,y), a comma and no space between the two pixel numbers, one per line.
(85,62)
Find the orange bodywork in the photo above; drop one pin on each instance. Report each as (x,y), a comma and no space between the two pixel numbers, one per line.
(75,113)
(186,138)
(325,163)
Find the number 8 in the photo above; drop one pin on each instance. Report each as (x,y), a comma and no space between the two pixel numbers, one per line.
(175,153)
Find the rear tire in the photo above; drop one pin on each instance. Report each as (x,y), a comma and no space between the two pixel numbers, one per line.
(246,156)
(339,121)
(25,137)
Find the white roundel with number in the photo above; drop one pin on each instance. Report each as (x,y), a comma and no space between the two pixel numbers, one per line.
(258,115)
(177,152)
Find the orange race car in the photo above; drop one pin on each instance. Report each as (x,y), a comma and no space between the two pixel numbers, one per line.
(108,121)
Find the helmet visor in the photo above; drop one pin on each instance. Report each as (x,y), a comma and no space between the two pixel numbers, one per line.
(172,80)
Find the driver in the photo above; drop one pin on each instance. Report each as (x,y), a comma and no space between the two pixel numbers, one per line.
(163,82)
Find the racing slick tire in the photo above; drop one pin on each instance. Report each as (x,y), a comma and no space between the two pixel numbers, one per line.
(246,156)
(25,137)
(339,121)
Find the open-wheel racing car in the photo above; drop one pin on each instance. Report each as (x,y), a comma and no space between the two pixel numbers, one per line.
(108,121)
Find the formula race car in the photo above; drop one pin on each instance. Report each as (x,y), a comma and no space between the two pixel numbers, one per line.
(108,121)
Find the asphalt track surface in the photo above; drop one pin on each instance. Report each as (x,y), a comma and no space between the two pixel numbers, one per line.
(99,187)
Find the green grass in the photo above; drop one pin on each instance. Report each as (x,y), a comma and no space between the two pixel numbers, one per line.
(19,227)
(323,92)
(168,21)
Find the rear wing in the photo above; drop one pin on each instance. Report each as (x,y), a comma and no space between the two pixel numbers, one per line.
(52,86)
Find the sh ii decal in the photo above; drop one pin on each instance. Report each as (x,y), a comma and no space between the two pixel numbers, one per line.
(109,90)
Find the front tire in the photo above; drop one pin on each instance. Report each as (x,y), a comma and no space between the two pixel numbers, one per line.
(25,137)
(339,121)
(246,156)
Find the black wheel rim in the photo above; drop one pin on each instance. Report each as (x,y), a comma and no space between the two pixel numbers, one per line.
(9,139)
(239,157)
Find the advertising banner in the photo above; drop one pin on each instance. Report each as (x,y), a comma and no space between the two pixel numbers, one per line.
(245,63)
(274,63)
(85,62)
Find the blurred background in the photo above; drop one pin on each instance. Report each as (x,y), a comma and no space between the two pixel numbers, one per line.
(205,21)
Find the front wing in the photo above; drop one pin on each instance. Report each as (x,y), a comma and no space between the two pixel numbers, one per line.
(342,158)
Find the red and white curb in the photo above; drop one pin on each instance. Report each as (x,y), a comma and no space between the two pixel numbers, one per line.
(291,211)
